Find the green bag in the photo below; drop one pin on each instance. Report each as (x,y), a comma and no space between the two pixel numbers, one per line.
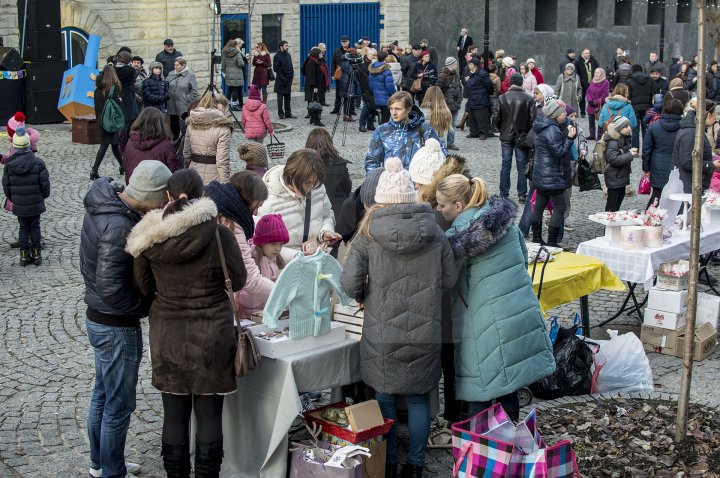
(113,119)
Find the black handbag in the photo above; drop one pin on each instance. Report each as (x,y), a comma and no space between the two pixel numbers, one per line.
(314,105)
(587,179)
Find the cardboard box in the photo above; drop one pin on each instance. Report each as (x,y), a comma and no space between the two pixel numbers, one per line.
(285,347)
(668,300)
(708,309)
(705,342)
(666,320)
(364,415)
(659,340)
(315,417)
(352,317)
(670,282)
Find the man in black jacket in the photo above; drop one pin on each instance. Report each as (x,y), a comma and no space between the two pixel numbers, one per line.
(585,67)
(284,73)
(114,308)
(684,145)
(463,44)
(337,59)
(642,89)
(407,66)
(167,56)
(513,118)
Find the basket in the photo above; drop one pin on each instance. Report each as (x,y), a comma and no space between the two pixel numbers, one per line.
(275,150)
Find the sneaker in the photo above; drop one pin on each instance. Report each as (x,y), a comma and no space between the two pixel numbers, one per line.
(452,147)
(440,437)
(132,470)
(568,227)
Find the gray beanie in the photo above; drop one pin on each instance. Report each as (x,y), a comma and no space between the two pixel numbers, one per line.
(148,182)
(450,61)
(553,109)
(368,187)
(570,65)
(620,122)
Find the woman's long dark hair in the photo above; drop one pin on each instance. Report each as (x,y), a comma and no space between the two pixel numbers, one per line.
(110,79)
(184,186)
(152,123)
(321,141)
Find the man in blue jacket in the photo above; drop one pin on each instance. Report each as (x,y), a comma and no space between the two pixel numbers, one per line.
(114,309)
(479,88)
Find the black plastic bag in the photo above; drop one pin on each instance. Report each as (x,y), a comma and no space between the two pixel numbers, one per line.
(587,179)
(573,358)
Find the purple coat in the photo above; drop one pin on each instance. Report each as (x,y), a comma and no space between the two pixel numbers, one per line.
(595,96)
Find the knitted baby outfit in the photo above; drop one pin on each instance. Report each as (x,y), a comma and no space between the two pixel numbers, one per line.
(304,287)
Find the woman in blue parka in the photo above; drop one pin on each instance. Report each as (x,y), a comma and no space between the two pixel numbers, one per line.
(501,343)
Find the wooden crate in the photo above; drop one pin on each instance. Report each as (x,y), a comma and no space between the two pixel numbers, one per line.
(352,317)
(85,130)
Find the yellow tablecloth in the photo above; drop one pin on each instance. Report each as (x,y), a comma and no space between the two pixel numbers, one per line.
(571,276)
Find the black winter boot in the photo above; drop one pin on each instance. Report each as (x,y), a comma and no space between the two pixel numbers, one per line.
(391,470)
(36,257)
(552,236)
(537,233)
(25,258)
(176,459)
(411,471)
(208,458)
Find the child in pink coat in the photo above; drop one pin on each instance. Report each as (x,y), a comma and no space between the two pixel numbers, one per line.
(267,242)
(256,117)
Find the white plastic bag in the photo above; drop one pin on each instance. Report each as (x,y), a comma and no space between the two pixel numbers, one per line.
(620,365)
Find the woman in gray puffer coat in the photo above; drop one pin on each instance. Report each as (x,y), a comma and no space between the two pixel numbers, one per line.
(409,260)
(233,67)
(619,154)
(568,87)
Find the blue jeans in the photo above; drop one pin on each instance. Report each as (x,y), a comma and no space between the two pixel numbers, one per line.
(520,160)
(366,116)
(118,351)
(418,425)
(451,131)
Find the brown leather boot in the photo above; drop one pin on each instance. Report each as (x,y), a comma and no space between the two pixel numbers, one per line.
(264,100)
(461,124)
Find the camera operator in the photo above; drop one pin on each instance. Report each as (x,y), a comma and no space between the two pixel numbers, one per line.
(367,114)
(349,86)
(427,73)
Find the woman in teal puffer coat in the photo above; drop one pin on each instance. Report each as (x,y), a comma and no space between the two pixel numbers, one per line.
(501,344)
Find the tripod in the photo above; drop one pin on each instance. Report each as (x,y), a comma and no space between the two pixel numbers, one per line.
(346,103)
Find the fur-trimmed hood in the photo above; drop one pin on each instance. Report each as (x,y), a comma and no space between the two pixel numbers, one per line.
(166,236)
(486,226)
(204,118)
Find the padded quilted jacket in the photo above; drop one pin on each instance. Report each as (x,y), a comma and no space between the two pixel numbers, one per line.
(499,333)
(409,262)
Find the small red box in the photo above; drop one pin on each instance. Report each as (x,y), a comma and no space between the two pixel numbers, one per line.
(313,416)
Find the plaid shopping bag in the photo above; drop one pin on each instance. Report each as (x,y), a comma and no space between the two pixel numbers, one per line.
(489,445)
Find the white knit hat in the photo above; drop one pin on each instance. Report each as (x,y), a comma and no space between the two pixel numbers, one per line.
(508,62)
(395,185)
(426,162)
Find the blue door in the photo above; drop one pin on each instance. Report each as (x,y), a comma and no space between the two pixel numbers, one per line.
(236,26)
(326,23)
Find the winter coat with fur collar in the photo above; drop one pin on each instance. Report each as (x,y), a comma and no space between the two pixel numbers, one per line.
(499,333)
(409,263)
(177,263)
(619,158)
(208,134)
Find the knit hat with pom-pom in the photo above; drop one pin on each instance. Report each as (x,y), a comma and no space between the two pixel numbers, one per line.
(253,153)
(395,185)
(426,162)
(21,140)
(15,122)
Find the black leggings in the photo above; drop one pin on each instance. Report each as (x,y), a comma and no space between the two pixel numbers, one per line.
(614,199)
(176,420)
(235,94)
(558,215)
(656,193)
(101,154)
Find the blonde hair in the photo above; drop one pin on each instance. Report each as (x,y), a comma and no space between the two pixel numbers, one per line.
(364,225)
(210,100)
(440,116)
(458,188)
(258,255)
(620,89)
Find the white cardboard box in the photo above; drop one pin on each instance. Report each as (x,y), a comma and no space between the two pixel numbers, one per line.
(708,309)
(284,347)
(668,300)
(352,317)
(666,320)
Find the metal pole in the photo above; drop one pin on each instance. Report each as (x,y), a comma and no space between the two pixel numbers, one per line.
(486,38)
(684,398)
(661,49)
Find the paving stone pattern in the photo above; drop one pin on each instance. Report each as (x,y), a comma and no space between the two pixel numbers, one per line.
(47,365)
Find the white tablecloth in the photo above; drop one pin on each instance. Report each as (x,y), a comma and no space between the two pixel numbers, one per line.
(640,266)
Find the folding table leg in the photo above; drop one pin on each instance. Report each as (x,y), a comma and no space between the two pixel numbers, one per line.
(624,307)
(585,315)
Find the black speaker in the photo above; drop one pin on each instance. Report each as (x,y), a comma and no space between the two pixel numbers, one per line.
(10,59)
(41,108)
(43,45)
(41,15)
(44,76)
(12,98)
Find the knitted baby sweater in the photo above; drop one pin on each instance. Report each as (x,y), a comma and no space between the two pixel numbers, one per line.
(304,287)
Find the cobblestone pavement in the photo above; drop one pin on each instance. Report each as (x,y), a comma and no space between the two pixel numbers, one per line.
(46,373)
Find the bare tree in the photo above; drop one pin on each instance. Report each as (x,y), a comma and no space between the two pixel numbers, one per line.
(712,16)
(248,6)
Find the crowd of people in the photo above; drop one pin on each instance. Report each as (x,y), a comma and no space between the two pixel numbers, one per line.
(443,255)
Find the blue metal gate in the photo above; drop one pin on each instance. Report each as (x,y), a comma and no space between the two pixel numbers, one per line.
(326,23)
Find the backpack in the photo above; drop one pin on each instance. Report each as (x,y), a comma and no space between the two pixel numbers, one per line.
(113,119)
(599,162)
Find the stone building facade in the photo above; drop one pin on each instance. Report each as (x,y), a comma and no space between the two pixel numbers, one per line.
(143,25)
